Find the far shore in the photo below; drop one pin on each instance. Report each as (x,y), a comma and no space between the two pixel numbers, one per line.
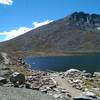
(51,53)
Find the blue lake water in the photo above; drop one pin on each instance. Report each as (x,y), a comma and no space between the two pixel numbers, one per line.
(90,63)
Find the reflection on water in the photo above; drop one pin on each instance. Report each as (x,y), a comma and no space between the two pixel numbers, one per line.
(90,63)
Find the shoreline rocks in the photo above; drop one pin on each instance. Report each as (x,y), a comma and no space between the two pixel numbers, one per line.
(46,83)
(87,84)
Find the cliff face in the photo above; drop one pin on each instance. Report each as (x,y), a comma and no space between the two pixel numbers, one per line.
(76,32)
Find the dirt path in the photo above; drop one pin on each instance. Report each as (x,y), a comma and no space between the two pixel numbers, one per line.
(63,83)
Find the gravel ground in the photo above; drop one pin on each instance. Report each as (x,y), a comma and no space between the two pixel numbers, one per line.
(7,93)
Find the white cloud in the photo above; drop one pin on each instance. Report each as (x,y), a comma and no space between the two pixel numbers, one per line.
(17,32)
(6,2)
(14,33)
(98,28)
(38,24)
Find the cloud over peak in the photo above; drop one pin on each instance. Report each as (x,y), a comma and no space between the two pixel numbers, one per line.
(21,30)
(38,24)
(6,2)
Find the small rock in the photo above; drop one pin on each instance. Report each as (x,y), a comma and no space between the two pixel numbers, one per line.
(36,86)
(90,94)
(44,88)
(87,74)
(77,81)
(56,89)
(69,95)
(57,95)
(28,85)
(64,91)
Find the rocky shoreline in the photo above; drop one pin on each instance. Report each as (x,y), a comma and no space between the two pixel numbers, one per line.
(72,84)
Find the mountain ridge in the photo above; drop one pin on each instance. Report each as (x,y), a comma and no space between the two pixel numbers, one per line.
(78,32)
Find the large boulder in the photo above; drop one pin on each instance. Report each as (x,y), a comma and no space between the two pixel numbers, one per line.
(72,73)
(17,78)
(96,74)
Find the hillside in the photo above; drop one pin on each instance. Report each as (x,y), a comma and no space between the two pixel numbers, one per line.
(78,32)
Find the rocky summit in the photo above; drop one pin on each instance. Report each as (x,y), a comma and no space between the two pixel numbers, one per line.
(78,32)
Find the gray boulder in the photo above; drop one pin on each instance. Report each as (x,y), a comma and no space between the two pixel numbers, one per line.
(17,78)
(96,74)
(72,73)
(90,94)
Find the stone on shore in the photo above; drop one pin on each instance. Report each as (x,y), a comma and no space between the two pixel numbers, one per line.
(17,78)
(96,74)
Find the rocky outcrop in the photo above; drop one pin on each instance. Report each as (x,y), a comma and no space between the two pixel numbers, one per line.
(82,19)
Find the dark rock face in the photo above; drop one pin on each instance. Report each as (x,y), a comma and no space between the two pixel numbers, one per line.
(77,32)
(92,19)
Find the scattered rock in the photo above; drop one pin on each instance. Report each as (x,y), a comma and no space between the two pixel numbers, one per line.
(42,81)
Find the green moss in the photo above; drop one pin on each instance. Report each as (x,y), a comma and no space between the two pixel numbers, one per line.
(94,83)
(22,70)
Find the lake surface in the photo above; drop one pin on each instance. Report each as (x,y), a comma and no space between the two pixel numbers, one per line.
(90,63)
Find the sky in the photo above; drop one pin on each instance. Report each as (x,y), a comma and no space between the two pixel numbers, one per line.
(20,16)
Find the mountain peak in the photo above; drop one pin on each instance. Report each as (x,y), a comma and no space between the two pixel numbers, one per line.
(77,32)
(85,18)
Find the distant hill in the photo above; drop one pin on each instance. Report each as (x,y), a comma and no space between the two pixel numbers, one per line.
(78,32)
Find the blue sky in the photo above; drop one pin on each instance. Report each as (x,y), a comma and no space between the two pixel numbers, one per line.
(20,16)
